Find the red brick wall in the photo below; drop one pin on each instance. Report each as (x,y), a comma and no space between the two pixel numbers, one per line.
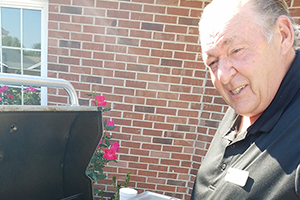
(144,57)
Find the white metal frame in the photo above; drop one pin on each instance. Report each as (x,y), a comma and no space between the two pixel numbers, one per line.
(36,5)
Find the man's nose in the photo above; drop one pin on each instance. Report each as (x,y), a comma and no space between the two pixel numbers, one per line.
(226,71)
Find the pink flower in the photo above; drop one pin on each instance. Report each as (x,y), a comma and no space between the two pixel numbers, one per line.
(109,123)
(115,146)
(31,89)
(99,101)
(110,154)
(1,99)
(4,88)
(10,96)
(99,144)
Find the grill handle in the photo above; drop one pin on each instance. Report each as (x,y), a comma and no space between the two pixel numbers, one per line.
(41,81)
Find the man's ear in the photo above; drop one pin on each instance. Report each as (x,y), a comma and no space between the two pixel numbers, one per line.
(286,32)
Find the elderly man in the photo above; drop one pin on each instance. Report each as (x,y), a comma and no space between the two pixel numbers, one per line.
(249,48)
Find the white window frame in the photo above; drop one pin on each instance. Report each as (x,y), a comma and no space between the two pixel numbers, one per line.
(41,5)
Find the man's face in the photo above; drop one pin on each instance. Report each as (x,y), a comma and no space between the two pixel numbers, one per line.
(245,68)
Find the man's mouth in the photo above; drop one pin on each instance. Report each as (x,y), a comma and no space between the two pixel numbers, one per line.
(238,90)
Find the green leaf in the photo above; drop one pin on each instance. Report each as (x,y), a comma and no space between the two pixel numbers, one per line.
(110,127)
(106,109)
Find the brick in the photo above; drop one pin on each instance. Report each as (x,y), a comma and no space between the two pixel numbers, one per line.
(151,44)
(182,72)
(176,29)
(67,60)
(185,128)
(89,3)
(115,48)
(155,9)
(168,95)
(169,79)
(166,188)
(81,37)
(114,65)
(176,120)
(148,60)
(118,14)
(144,1)
(200,74)
(140,152)
(172,63)
(160,70)
(147,77)
(69,27)
(58,51)
(179,170)
(162,141)
(124,91)
(192,81)
(80,70)
(146,93)
(166,111)
(151,146)
(92,46)
(191,3)
(103,56)
(152,132)
(146,186)
(150,160)
(93,29)
(174,134)
(82,19)
(141,16)
(126,58)
(69,77)
(91,79)
(156,180)
(131,144)
(177,11)
(126,107)
(161,53)
(93,11)
(219,100)
(105,39)
(137,165)
(59,17)
(187,38)
(58,67)
(131,6)
(140,34)
(144,124)
(164,36)
(188,113)
(196,13)
(167,175)
(71,10)
(129,158)
(92,63)
(58,34)
(80,53)
(135,84)
(54,8)
(209,123)
(106,22)
(138,51)
(113,81)
(125,75)
(158,86)
(185,55)
(152,26)
(186,97)
(168,2)
(194,65)
(127,41)
(131,130)
(163,126)
(172,149)
(129,24)
(117,31)
(193,31)
(134,100)
(107,4)
(137,67)
(173,46)
(169,162)
(165,19)
(154,117)
(141,138)
(160,154)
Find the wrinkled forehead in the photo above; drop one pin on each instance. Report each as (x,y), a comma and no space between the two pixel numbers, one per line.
(215,20)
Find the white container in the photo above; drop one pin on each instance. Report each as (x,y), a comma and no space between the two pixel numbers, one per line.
(127,193)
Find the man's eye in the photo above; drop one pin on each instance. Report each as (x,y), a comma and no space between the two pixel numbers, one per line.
(212,63)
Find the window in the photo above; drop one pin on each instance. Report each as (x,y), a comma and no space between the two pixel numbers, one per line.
(23,44)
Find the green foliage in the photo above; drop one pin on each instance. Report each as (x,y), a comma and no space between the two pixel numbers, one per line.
(117,186)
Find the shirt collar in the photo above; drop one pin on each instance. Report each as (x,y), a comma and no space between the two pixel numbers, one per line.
(286,92)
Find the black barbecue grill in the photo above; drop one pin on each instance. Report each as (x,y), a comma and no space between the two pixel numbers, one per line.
(45,150)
